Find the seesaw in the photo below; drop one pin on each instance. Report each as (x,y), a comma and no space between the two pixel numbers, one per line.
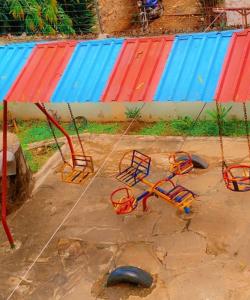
(123,199)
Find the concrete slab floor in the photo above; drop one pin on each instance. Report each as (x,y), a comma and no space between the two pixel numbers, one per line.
(205,257)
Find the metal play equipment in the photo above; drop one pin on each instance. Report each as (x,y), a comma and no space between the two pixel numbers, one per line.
(80,165)
(138,168)
(236,176)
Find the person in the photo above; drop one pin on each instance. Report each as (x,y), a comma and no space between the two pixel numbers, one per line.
(151,3)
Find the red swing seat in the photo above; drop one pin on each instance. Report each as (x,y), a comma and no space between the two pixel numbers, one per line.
(237,178)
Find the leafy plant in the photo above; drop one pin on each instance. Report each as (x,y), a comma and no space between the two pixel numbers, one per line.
(47,16)
(132,113)
(158,128)
(220,115)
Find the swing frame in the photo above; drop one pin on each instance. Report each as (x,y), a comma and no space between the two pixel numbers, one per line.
(232,182)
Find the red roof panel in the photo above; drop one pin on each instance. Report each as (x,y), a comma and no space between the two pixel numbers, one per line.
(234,84)
(138,70)
(39,77)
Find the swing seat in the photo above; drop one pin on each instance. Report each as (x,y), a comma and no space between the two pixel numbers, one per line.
(82,167)
(237,178)
(139,169)
(180,163)
(123,201)
(177,195)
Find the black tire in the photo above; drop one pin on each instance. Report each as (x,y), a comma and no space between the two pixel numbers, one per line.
(129,274)
(197,161)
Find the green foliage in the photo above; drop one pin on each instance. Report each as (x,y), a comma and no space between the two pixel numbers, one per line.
(158,128)
(111,128)
(132,113)
(47,16)
(36,131)
(221,114)
(84,21)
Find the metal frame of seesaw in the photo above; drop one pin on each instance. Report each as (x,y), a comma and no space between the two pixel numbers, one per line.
(156,190)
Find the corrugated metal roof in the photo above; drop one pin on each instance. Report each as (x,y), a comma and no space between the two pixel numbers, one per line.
(138,69)
(39,77)
(88,71)
(235,79)
(194,67)
(12,59)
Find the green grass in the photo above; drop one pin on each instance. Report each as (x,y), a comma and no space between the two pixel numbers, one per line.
(158,128)
(186,127)
(35,131)
(111,128)
(36,161)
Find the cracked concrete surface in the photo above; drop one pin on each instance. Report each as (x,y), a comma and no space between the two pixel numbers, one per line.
(205,256)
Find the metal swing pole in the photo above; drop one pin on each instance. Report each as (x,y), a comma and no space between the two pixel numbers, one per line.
(58,126)
(4,175)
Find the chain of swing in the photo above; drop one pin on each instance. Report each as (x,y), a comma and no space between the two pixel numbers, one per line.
(220,127)
(75,128)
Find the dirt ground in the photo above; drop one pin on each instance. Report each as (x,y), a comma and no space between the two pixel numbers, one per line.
(69,239)
(120,15)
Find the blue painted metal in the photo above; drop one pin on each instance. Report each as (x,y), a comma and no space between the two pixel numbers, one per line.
(13,57)
(194,66)
(88,71)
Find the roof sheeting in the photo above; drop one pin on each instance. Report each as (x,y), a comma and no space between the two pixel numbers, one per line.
(138,69)
(88,71)
(234,83)
(193,67)
(39,77)
(12,59)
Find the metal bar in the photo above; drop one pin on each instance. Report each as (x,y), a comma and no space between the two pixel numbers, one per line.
(4,175)
(64,132)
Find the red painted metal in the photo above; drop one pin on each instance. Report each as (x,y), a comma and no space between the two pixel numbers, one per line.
(138,69)
(40,76)
(4,176)
(64,132)
(234,82)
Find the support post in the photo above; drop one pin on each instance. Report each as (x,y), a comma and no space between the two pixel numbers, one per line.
(64,132)
(4,175)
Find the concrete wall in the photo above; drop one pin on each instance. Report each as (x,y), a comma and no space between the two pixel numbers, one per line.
(116,111)
(234,18)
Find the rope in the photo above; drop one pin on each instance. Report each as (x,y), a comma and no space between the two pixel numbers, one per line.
(246,125)
(54,136)
(76,129)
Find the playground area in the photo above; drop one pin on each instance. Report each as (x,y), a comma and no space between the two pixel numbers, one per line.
(69,237)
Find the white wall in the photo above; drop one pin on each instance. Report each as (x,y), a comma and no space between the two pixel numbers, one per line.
(116,111)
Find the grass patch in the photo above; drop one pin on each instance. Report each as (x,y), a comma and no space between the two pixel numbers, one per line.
(35,131)
(158,128)
(111,128)
(36,161)
(185,126)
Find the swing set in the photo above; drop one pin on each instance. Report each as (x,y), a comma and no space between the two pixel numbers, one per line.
(123,199)
(235,176)
(80,166)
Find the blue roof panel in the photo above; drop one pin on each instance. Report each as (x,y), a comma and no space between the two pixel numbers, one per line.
(13,57)
(88,71)
(194,66)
